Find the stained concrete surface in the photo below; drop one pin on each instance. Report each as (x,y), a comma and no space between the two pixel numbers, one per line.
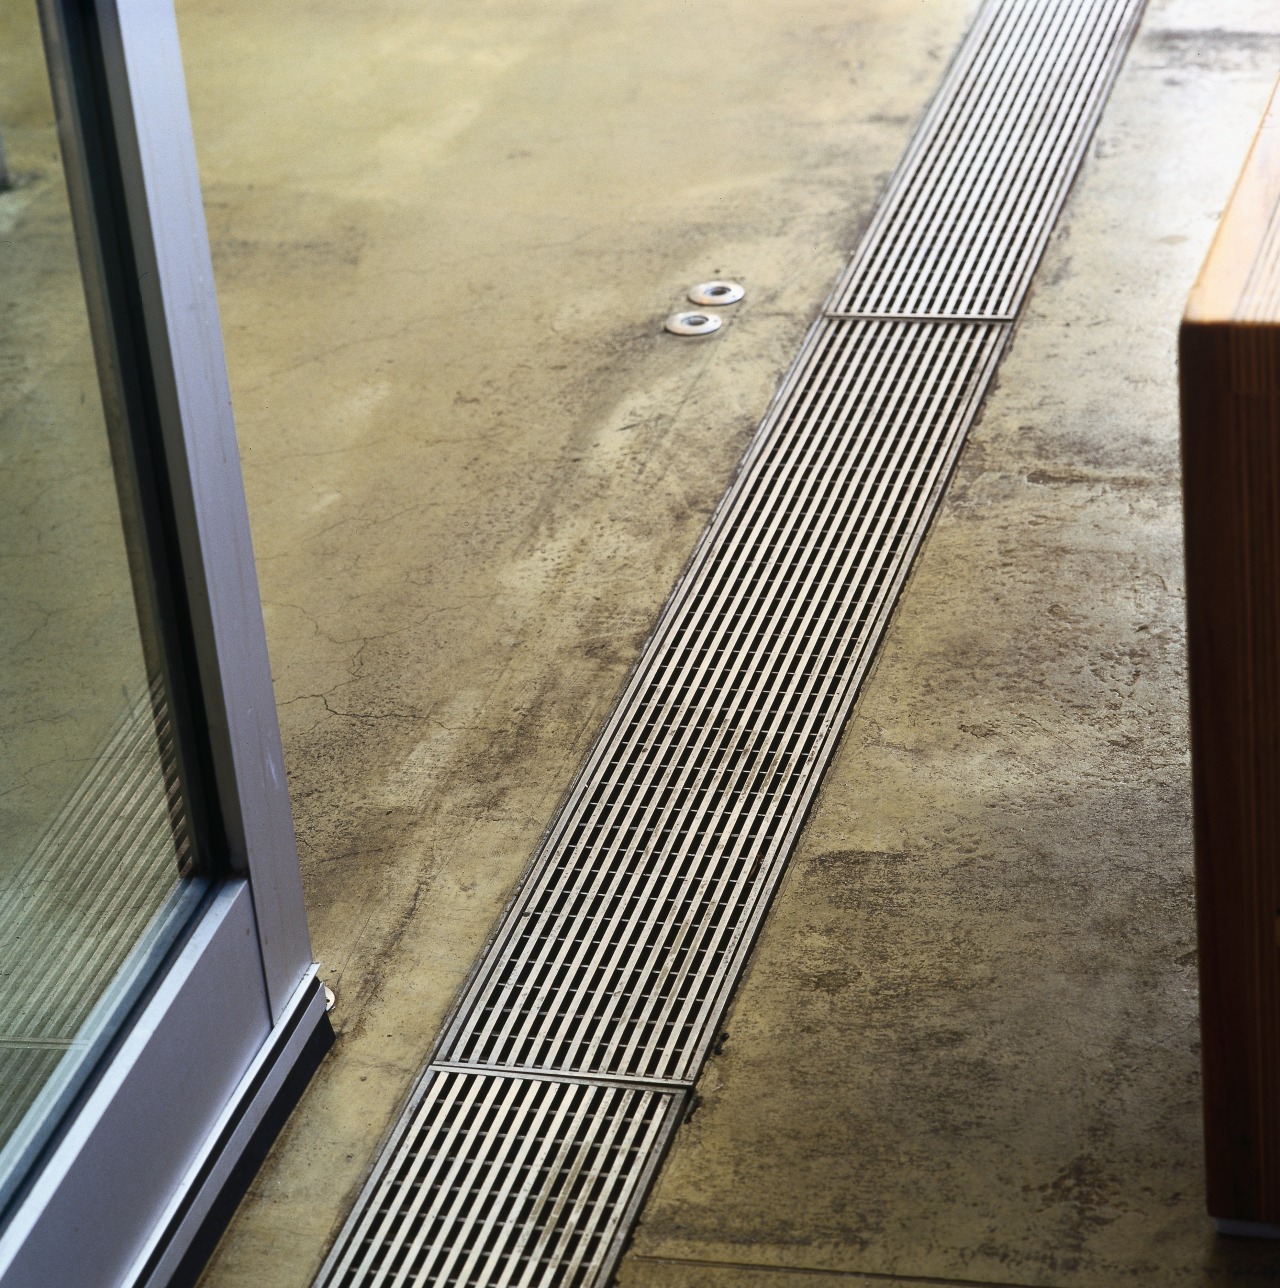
(445,237)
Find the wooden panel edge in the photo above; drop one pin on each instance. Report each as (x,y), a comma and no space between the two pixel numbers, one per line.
(1224,289)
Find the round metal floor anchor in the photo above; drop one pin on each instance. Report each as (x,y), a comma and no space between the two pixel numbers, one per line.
(693,323)
(717,293)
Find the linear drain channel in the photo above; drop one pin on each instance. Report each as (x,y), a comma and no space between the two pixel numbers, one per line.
(530,1140)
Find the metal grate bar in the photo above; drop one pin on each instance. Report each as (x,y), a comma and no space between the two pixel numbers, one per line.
(520,1158)
(969,210)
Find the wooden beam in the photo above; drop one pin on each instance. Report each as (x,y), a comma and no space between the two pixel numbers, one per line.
(1230,391)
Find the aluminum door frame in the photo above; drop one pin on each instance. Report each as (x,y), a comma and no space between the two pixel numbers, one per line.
(140,1175)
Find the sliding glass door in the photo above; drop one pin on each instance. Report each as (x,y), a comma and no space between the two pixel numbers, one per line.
(97,873)
(157,995)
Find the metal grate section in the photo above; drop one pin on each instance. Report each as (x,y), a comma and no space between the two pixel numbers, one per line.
(621,945)
(504,1180)
(971,206)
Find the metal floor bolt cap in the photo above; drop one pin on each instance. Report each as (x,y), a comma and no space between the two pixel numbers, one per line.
(717,293)
(693,323)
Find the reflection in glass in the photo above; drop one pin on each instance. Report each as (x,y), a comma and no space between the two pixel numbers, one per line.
(92,838)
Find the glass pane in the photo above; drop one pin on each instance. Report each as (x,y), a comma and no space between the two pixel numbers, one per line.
(93,842)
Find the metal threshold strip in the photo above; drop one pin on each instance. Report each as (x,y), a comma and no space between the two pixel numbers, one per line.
(531,1138)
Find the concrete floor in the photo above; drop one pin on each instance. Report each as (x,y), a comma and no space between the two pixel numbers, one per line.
(445,239)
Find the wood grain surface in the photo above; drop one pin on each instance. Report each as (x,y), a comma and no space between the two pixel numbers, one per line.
(1230,391)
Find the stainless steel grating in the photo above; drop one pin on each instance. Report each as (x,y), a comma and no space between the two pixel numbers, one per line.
(968,212)
(610,971)
(505,1180)
(616,953)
